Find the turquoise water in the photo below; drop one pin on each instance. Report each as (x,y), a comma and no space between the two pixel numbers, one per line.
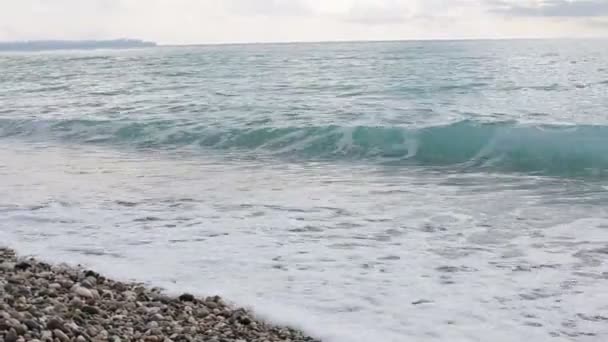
(330,186)
(568,151)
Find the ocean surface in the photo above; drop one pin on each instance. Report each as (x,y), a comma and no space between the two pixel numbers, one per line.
(395,191)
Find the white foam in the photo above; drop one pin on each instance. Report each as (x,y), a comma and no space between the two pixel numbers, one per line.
(347,254)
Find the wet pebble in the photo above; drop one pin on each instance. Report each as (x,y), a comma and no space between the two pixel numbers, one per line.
(44,303)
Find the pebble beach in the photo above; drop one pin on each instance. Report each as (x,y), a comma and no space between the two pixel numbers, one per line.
(43,302)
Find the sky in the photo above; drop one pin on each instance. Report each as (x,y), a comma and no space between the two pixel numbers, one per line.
(234,21)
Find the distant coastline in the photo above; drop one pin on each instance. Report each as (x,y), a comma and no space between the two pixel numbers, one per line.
(43,45)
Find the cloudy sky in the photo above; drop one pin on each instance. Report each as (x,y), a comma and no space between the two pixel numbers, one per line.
(223,21)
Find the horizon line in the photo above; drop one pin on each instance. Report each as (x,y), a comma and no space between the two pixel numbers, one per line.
(160,44)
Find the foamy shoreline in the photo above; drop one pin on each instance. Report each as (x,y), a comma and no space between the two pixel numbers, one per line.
(43,302)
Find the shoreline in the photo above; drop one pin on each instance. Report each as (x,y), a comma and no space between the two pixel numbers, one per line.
(43,302)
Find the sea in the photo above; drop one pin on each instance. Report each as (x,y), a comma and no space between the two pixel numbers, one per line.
(363,192)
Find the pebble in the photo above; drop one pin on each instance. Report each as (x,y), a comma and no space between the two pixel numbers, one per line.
(55,286)
(22,266)
(89,282)
(21,329)
(91,310)
(76,303)
(107,294)
(7,266)
(73,327)
(44,303)
(11,336)
(54,323)
(61,335)
(31,324)
(83,292)
(92,331)
(46,336)
(66,283)
(186,297)
(202,312)
(152,325)
(129,295)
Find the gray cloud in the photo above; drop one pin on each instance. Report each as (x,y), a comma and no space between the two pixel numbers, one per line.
(552,8)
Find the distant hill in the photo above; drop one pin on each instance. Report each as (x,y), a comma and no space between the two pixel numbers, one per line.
(41,45)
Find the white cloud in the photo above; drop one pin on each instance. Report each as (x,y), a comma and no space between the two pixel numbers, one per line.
(203,21)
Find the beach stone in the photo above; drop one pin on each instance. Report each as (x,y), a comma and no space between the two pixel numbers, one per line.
(81,338)
(46,275)
(60,307)
(61,335)
(92,330)
(15,279)
(83,292)
(202,312)
(66,283)
(91,310)
(103,334)
(7,266)
(54,323)
(72,326)
(152,325)
(129,296)
(46,336)
(154,309)
(119,287)
(55,286)
(158,317)
(22,266)
(4,326)
(11,323)
(89,282)
(95,294)
(156,332)
(186,297)
(128,306)
(76,302)
(107,294)
(89,273)
(159,297)
(11,336)
(21,329)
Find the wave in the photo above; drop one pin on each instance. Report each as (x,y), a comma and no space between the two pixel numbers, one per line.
(577,150)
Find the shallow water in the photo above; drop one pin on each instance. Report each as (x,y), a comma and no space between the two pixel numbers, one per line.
(364,192)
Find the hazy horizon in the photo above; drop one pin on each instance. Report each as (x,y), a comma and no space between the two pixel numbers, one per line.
(159,44)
